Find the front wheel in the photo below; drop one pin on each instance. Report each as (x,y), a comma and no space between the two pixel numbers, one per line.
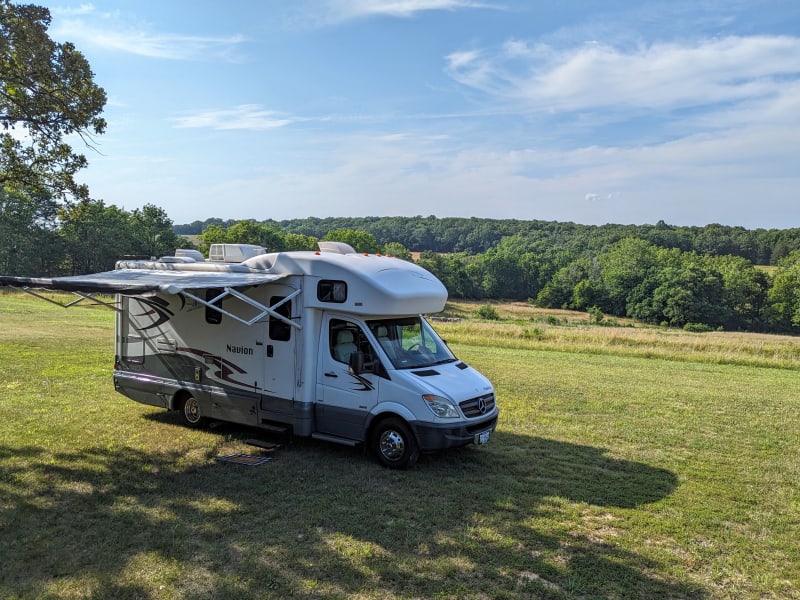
(394,444)
(191,414)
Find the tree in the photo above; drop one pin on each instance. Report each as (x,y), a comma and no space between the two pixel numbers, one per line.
(298,241)
(28,239)
(252,232)
(783,298)
(360,241)
(46,91)
(688,293)
(89,245)
(152,233)
(213,234)
(745,291)
(566,288)
(248,231)
(397,249)
(627,268)
(509,270)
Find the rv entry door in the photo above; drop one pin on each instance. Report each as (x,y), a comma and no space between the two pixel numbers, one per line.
(279,357)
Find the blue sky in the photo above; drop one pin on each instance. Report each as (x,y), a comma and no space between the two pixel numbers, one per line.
(593,112)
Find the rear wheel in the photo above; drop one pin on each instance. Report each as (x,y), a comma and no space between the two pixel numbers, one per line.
(191,414)
(394,444)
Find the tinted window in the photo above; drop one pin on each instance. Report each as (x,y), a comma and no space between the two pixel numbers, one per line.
(331,291)
(213,317)
(280,330)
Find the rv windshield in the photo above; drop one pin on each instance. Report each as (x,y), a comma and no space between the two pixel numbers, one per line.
(410,343)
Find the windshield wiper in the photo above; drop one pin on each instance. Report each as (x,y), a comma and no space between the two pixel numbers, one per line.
(444,361)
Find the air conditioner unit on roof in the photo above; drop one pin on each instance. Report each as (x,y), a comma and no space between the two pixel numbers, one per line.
(234,253)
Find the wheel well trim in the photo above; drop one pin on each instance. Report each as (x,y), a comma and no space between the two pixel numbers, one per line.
(388,410)
(178,397)
(391,409)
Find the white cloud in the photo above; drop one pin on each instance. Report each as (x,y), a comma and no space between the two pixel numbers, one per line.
(246,116)
(331,12)
(62,11)
(658,77)
(400,8)
(464,60)
(103,31)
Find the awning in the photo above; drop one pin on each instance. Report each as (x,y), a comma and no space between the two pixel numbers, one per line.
(141,282)
(137,282)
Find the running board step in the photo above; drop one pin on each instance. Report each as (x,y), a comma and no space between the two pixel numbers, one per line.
(333,438)
(268,446)
(273,428)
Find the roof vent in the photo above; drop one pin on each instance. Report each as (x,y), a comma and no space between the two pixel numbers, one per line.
(336,247)
(193,255)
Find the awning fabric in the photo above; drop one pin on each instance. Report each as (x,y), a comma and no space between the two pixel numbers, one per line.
(137,282)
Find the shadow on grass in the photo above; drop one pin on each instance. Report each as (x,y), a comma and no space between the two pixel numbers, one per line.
(323,521)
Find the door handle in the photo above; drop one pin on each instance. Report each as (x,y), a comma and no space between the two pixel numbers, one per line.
(331,374)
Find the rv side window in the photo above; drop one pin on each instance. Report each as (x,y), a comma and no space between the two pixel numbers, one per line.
(280,331)
(213,317)
(331,291)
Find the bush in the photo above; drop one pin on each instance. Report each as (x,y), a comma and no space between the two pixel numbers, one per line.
(596,315)
(696,327)
(487,311)
(532,333)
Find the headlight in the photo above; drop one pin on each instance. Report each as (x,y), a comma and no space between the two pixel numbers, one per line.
(441,407)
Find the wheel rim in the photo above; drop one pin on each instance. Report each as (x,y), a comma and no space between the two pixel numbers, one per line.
(392,445)
(191,410)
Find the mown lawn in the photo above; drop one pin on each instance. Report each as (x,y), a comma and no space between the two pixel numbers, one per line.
(617,471)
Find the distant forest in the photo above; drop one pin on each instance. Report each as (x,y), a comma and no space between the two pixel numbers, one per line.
(475,236)
(697,278)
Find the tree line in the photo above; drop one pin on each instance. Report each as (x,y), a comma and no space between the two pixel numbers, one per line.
(477,235)
(632,278)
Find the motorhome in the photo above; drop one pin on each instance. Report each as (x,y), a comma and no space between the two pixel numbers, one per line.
(329,344)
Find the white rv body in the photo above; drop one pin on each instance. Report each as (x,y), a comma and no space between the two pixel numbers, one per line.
(326,344)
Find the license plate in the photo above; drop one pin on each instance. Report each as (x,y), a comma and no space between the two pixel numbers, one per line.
(482,438)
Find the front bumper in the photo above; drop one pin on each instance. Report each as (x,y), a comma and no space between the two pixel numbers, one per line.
(438,436)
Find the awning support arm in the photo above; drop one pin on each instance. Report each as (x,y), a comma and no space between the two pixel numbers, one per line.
(265,310)
(81,297)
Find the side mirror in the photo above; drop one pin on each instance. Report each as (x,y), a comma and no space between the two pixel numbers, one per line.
(356,363)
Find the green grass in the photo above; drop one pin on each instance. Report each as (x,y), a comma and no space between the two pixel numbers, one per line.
(617,471)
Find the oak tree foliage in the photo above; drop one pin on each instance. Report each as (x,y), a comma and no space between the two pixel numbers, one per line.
(47,93)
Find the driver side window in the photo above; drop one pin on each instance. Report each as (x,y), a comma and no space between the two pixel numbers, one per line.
(345,338)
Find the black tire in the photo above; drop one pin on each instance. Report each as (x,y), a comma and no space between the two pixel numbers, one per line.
(191,414)
(394,444)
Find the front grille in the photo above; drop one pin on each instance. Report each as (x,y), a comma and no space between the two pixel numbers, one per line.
(476,407)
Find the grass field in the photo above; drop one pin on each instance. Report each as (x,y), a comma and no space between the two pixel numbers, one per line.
(628,463)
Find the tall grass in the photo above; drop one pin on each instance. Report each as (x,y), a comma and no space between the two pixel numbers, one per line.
(525,327)
(615,472)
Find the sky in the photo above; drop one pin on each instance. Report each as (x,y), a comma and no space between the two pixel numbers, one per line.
(593,111)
